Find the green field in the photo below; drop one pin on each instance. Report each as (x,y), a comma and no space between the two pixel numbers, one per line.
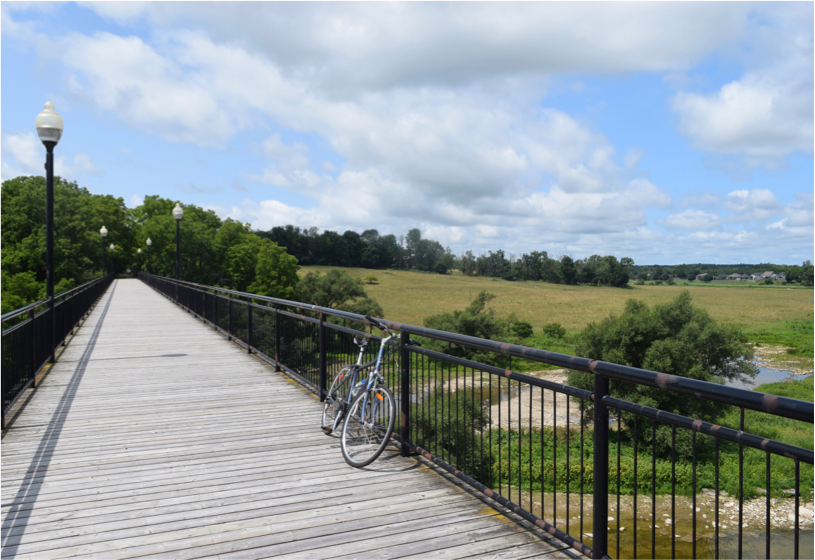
(768,314)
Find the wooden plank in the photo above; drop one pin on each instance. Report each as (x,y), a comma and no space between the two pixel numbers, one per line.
(154,435)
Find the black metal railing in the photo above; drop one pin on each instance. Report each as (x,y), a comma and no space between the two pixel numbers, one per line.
(579,464)
(27,336)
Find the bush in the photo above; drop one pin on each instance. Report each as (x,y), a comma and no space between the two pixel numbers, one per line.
(440,268)
(522,329)
(554,330)
(768,281)
(674,338)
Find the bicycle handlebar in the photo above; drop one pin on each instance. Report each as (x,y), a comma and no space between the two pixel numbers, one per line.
(382,327)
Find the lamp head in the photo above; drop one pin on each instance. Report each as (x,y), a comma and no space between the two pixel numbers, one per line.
(178,212)
(139,251)
(111,246)
(49,124)
(103,232)
(149,242)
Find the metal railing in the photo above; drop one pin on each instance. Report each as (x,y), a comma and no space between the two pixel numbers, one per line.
(27,336)
(522,440)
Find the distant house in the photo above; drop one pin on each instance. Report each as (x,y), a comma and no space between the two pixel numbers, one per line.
(734,276)
(767,274)
(743,277)
(720,277)
(782,276)
(755,276)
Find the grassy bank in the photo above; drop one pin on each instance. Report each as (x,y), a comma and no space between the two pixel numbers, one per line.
(769,315)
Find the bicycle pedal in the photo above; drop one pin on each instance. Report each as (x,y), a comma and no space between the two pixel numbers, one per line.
(326,430)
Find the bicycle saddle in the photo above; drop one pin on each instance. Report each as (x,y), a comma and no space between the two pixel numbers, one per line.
(361,342)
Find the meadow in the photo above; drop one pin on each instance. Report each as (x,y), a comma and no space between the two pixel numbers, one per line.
(775,315)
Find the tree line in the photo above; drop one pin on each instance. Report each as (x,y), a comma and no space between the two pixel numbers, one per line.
(801,274)
(215,252)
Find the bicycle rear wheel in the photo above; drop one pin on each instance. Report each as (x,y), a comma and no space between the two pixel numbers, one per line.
(336,400)
(368,426)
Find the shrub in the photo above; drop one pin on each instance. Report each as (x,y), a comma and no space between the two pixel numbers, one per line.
(554,330)
(522,329)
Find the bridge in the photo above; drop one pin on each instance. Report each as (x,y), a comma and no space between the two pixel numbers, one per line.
(182,421)
(152,435)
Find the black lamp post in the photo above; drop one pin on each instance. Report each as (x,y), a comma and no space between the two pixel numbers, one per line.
(49,129)
(149,242)
(112,267)
(178,213)
(104,233)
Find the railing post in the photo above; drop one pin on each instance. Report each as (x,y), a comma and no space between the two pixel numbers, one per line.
(600,497)
(404,359)
(323,350)
(215,310)
(276,338)
(2,384)
(204,305)
(249,327)
(33,342)
(229,316)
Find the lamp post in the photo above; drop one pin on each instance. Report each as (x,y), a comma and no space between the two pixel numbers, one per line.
(178,213)
(149,242)
(138,251)
(49,129)
(104,233)
(112,268)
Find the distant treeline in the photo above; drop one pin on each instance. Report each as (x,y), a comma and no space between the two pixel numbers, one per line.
(411,251)
(802,274)
(366,250)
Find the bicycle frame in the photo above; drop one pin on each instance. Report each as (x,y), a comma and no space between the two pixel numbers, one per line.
(372,379)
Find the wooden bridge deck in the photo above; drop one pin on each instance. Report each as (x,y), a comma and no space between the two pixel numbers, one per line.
(153,436)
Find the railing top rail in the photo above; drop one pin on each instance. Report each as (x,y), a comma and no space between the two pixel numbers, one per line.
(773,404)
(39,303)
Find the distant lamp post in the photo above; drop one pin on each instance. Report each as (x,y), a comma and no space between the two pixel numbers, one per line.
(149,242)
(138,251)
(49,129)
(112,268)
(178,213)
(104,233)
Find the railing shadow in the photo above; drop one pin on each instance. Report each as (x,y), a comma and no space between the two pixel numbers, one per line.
(16,521)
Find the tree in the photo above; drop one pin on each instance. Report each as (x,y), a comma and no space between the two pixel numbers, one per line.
(331,289)
(476,320)
(674,338)
(370,279)
(275,272)
(567,270)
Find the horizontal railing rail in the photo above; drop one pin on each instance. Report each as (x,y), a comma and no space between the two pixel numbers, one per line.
(29,341)
(521,439)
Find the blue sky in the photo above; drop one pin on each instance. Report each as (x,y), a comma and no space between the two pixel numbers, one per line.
(666,132)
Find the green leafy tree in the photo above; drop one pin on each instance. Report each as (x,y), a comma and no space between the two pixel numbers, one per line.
(275,272)
(476,320)
(674,338)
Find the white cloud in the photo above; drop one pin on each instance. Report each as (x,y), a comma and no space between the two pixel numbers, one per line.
(766,114)
(752,205)
(692,220)
(24,154)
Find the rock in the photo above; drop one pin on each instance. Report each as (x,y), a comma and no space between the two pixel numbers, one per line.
(761,491)
(588,535)
(708,491)
(789,492)
(791,517)
(698,510)
(805,513)
(611,519)
(729,504)
(668,522)
(724,493)
(622,529)
(704,516)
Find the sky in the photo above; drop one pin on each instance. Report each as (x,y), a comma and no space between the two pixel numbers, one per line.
(664,132)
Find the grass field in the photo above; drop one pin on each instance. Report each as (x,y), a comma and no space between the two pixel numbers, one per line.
(774,314)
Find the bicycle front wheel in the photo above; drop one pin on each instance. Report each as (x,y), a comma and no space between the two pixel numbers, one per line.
(336,400)
(368,426)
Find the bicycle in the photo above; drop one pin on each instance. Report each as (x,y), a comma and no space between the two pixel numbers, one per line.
(367,409)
